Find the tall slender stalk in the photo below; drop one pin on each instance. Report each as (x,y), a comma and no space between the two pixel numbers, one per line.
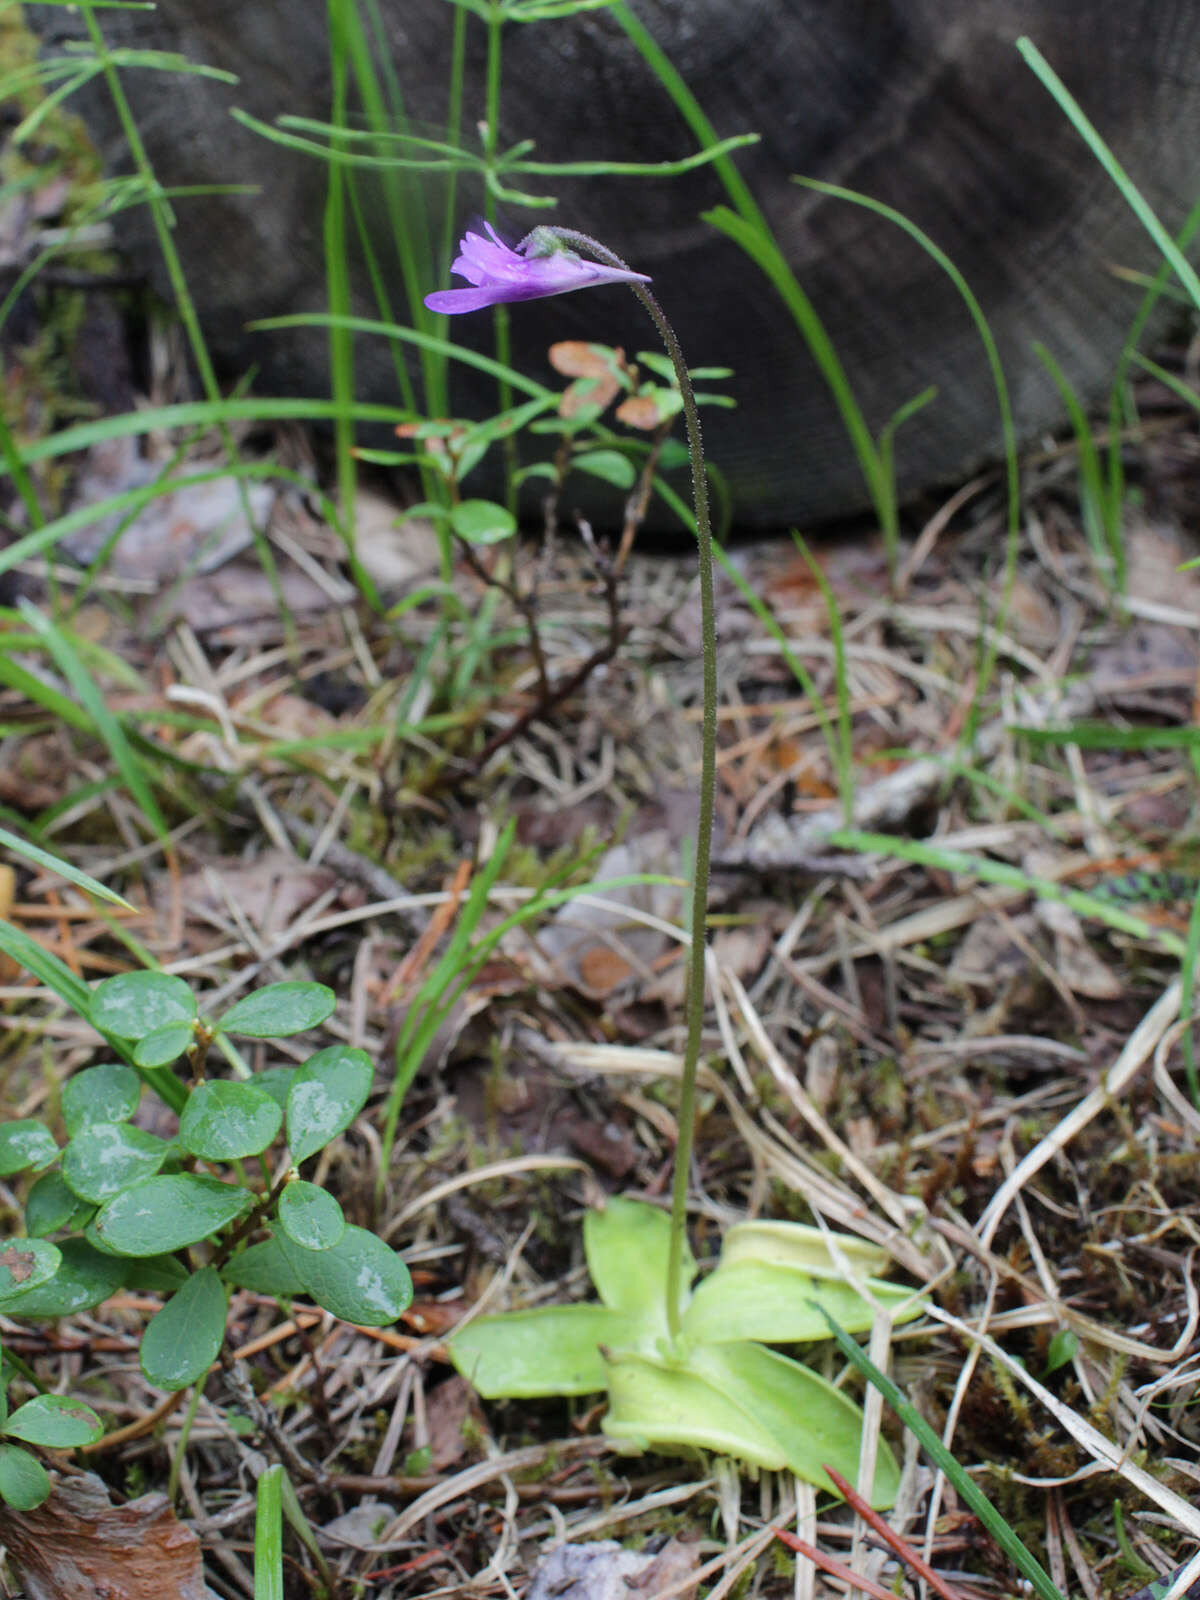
(708,775)
(500,319)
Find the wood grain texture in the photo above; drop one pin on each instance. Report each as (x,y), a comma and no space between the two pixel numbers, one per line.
(923,104)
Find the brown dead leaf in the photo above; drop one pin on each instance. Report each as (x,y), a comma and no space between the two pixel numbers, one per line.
(988,957)
(639,411)
(433,1318)
(1153,556)
(1076,963)
(597,392)
(602,970)
(577,358)
(596,370)
(79,1546)
(397,550)
(291,716)
(271,892)
(606,1145)
(38,774)
(452,1411)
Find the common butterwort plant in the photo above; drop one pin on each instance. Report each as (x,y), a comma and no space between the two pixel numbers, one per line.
(683,1369)
(213,1203)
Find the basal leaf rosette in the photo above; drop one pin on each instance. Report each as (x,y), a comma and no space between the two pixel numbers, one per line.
(717,1388)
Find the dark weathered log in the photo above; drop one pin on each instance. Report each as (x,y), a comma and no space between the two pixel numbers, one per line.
(924,104)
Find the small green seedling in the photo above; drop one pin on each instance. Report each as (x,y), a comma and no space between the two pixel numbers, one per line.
(120,1207)
(717,1387)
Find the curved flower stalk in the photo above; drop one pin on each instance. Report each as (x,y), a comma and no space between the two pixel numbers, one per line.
(547,262)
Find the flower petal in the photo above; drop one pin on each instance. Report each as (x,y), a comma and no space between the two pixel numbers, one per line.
(451,301)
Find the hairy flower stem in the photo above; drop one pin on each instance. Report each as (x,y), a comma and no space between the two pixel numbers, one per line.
(708,777)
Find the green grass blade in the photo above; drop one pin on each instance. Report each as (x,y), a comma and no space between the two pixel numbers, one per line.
(64,869)
(964,1485)
(1177,386)
(690,110)
(294,1512)
(1098,520)
(104,722)
(63,709)
(1103,736)
(633,169)
(198,413)
(46,967)
(1118,407)
(1072,110)
(56,976)
(268,1535)
(408,1051)
(999,872)
(887,469)
(432,341)
(33,544)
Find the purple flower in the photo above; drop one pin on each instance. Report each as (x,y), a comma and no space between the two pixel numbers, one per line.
(539,266)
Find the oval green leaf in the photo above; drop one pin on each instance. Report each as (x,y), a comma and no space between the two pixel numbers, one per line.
(280,1009)
(778,1305)
(815,1424)
(107,1093)
(545,1351)
(182,1341)
(25,1264)
(482,522)
(610,465)
(263,1270)
(107,1157)
(627,1244)
(327,1093)
(155,1274)
(164,1045)
(24,1482)
(225,1121)
(360,1280)
(165,1214)
(807,1249)
(660,1405)
(310,1216)
(135,1003)
(84,1279)
(55,1422)
(51,1205)
(277,1081)
(25,1143)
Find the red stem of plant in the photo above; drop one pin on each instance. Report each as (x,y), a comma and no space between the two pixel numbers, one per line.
(889,1535)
